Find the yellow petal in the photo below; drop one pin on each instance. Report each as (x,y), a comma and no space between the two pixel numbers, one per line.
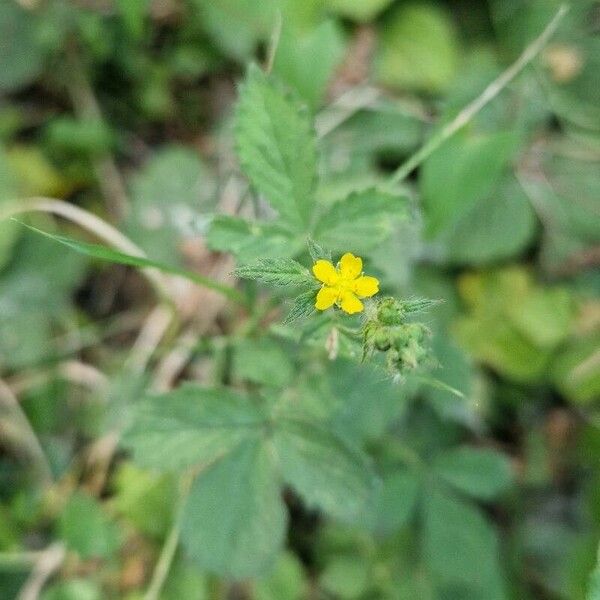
(350,266)
(366,286)
(350,303)
(325,298)
(325,272)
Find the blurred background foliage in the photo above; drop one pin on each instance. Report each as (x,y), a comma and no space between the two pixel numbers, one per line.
(124,107)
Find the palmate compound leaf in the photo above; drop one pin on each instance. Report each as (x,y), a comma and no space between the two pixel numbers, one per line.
(234,520)
(366,218)
(276,147)
(277,271)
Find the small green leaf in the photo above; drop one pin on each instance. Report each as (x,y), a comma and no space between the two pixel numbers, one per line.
(482,473)
(361,221)
(250,241)
(190,425)
(235,520)
(278,271)
(346,577)
(276,146)
(114,256)
(418,49)
(328,473)
(86,529)
(303,306)
(317,251)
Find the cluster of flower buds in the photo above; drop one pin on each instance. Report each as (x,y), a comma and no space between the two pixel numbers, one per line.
(387,329)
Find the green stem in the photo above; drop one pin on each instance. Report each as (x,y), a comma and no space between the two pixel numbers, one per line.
(490,92)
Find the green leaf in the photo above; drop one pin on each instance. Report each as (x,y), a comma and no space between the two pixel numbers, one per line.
(250,241)
(278,271)
(285,583)
(235,520)
(302,307)
(495,228)
(346,577)
(114,256)
(262,361)
(21,54)
(327,473)
(418,49)
(191,425)
(461,548)
(361,221)
(317,251)
(306,59)
(86,529)
(395,501)
(463,171)
(73,589)
(276,147)
(482,473)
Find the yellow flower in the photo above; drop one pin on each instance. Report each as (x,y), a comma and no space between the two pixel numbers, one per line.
(344,285)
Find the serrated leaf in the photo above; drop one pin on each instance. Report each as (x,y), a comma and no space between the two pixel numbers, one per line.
(482,473)
(328,473)
(363,220)
(278,271)
(250,241)
(303,306)
(276,147)
(235,520)
(190,425)
(317,251)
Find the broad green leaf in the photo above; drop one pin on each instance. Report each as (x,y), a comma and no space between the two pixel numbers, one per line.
(461,548)
(235,520)
(86,529)
(276,147)
(185,581)
(418,48)
(191,425)
(482,473)
(278,271)
(250,241)
(306,59)
(327,473)
(395,501)
(168,194)
(262,361)
(21,54)
(462,172)
(361,10)
(361,221)
(495,228)
(114,256)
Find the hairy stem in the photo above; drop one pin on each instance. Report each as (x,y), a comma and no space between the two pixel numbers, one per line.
(490,92)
